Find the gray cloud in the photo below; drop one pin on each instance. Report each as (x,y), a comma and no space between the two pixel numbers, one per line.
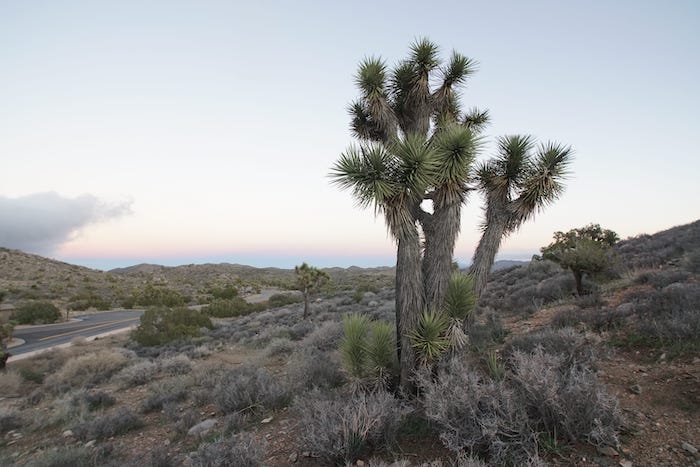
(42,222)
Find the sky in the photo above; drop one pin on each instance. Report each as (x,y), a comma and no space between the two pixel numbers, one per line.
(179,132)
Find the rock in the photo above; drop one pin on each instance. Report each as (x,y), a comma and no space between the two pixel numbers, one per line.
(625,463)
(266,420)
(306,453)
(636,388)
(293,457)
(67,434)
(360,463)
(689,448)
(625,308)
(608,451)
(166,442)
(91,443)
(202,428)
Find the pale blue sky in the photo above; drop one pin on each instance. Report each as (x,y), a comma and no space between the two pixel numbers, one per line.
(213,125)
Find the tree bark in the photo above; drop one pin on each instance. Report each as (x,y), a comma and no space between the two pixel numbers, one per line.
(306,304)
(486,251)
(409,303)
(578,277)
(440,237)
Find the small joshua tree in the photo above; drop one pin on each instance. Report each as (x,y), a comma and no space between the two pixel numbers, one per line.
(309,281)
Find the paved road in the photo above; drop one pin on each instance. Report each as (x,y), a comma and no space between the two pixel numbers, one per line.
(42,337)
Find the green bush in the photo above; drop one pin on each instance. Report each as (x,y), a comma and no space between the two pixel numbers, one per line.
(226,292)
(83,301)
(152,295)
(160,325)
(281,299)
(228,308)
(36,313)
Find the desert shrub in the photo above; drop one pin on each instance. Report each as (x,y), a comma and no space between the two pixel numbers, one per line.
(281,299)
(301,330)
(485,333)
(309,367)
(164,392)
(92,400)
(228,308)
(241,451)
(160,325)
(36,313)
(158,296)
(85,300)
(137,374)
(475,414)
(590,299)
(574,347)
(9,420)
(565,400)
(71,456)
(326,337)
(116,423)
(670,316)
(30,374)
(176,365)
(226,292)
(661,278)
(249,389)
(179,420)
(691,262)
(10,383)
(279,346)
(86,370)
(341,428)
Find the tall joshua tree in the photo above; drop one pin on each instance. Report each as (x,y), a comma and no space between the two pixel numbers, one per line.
(520,181)
(417,147)
(415,144)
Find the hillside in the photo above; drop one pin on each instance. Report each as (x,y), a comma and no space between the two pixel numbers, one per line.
(32,277)
(610,378)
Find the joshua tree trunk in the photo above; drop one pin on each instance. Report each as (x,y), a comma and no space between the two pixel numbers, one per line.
(409,302)
(306,304)
(486,251)
(441,231)
(578,277)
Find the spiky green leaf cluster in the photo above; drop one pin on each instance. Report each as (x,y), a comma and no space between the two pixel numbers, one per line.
(429,337)
(368,349)
(460,299)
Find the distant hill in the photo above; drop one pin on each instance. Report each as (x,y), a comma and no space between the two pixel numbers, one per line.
(32,277)
(507,263)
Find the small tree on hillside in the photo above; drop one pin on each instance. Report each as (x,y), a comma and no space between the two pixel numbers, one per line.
(585,250)
(309,281)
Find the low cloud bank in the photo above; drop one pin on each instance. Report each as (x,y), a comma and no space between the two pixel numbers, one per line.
(42,222)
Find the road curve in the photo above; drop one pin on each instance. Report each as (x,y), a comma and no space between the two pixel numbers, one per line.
(50,335)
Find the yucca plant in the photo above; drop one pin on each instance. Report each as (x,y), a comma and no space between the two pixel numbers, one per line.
(496,368)
(458,306)
(429,338)
(352,347)
(380,351)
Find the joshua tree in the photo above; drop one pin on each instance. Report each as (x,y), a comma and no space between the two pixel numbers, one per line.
(517,183)
(417,147)
(584,250)
(309,281)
